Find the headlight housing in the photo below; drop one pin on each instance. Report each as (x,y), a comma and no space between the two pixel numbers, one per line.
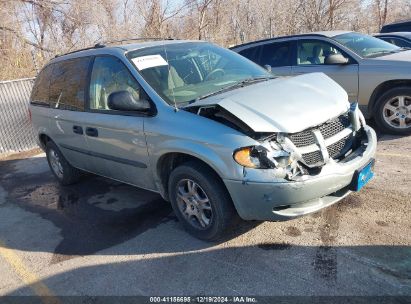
(247,157)
(259,157)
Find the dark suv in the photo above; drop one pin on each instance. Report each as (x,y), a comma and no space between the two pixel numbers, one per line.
(400,26)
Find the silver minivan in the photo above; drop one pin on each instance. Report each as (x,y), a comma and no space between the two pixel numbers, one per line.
(212,132)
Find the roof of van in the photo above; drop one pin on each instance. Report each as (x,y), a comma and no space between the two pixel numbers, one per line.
(140,45)
(117,48)
(329,34)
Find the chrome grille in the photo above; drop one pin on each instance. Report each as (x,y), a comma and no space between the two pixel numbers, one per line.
(335,150)
(328,129)
(302,139)
(334,126)
(313,158)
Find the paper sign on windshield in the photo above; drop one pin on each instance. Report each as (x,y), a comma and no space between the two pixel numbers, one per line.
(150,61)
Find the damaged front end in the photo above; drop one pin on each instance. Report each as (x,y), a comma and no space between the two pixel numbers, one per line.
(270,155)
(297,156)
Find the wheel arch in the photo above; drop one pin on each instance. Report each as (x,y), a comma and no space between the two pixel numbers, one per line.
(169,161)
(43,139)
(384,87)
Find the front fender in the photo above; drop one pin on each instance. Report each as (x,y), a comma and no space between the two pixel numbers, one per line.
(217,157)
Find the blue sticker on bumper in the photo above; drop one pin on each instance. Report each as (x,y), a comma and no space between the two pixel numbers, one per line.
(363,176)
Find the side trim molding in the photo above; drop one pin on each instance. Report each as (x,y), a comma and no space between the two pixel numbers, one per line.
(108,157)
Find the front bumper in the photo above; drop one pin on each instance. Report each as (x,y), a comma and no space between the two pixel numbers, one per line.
(275,201)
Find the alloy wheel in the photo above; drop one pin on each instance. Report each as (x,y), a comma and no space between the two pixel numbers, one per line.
(397,112)
(194,204)
(55,163)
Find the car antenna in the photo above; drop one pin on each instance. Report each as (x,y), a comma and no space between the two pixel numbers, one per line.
(169,71)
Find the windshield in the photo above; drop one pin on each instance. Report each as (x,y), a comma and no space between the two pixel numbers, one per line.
(183,72)
(366,46)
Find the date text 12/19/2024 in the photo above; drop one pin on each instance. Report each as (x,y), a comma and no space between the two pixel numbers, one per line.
(203,299)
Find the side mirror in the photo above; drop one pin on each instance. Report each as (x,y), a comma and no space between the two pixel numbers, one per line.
(124,101)
(267,67)
(336,59)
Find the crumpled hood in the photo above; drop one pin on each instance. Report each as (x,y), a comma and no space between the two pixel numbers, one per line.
(284,104)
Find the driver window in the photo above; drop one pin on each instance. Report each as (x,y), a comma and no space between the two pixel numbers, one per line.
(314,52)
(110,75)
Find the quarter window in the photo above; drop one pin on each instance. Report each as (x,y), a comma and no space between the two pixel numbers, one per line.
(110,75)
(40,92)
(68,83)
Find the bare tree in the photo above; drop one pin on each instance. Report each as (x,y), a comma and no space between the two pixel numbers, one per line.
(56,26)
(382,9)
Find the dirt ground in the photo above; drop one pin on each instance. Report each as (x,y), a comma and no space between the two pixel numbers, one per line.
(100,237)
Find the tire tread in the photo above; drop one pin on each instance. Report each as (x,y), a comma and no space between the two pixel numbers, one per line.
(71,174)
(379,120)
(226,213)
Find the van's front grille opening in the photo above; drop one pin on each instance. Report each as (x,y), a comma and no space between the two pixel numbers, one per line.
(302,139)
(335,126)
(337,144)
(338,149)
(313,158)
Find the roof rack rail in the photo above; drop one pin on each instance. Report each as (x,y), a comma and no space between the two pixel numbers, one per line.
(83,49)
(103,43)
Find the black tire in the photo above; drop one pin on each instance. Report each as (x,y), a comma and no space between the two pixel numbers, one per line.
(69,175)
(379,111)
(222,208)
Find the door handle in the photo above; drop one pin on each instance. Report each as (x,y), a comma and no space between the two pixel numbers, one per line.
(77,130)
(92,132)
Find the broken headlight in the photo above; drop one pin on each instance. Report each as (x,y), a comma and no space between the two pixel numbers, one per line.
(259,157)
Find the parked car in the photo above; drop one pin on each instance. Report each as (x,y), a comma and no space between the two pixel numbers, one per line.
(212,132)
(400,39)
(399,26)
(375,73)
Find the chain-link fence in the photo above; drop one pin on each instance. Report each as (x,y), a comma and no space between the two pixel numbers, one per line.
(16,132)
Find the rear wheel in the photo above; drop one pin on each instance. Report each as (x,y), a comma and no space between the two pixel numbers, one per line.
(394,111)
(65,173)
(200,201)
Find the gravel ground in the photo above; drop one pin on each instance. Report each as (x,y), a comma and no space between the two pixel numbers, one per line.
(101,237)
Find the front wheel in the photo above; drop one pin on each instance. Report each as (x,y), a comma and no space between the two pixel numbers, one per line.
(200,201)
(394,111)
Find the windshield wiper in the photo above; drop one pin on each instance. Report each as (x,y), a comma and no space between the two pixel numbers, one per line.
(241,83)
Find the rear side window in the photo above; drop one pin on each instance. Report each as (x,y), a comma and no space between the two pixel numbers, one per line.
(40,92)
(276,54)
(68,84)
